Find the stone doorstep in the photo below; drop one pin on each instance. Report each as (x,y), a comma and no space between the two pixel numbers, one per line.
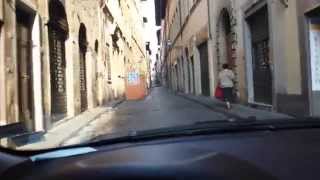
(26,138)
(12,129)
(16,134)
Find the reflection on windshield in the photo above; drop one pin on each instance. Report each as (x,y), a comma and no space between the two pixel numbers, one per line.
(72,71)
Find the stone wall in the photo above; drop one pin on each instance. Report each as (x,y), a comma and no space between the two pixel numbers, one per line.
(206,22)
(103,21)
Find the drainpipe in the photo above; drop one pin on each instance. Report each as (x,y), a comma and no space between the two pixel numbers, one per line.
(212,77)
(209,19)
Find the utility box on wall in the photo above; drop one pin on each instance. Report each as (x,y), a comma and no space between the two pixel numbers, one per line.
(136,86)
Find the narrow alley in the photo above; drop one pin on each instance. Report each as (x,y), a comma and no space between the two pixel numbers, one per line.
(79,77)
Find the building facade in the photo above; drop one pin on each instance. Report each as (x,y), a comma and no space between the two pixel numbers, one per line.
(60,58)
(308,29)
(262,40)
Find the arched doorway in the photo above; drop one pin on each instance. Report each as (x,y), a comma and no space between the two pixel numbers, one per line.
(58,33)
(83,75)
(224,40)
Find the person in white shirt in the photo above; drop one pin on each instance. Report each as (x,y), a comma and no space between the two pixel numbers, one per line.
(226,78)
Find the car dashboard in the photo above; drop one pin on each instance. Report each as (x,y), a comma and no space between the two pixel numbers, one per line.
(256,155)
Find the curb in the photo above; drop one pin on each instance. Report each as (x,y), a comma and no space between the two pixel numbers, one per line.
(113,105)
(233,113)
(117,103)
(80,128)
(219,110)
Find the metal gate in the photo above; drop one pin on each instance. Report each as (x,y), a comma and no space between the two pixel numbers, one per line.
(205,83)
(183,75)
(262,72)
(58,72)
(193,76)
(82,75)
(58,33)
(177,76)
(83,82)
(262,77)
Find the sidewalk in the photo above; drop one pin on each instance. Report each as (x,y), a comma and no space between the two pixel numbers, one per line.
(237,111)
(66,129)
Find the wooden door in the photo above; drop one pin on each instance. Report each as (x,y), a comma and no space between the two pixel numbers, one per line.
(205,82)
(261,64)
(24,64)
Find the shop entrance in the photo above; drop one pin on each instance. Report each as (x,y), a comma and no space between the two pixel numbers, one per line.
(261,65)
(314,39)
(205,83)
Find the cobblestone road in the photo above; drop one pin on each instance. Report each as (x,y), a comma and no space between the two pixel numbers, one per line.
(160,109)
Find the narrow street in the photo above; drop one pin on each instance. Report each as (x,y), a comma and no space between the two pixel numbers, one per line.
(160,109)
(76,75)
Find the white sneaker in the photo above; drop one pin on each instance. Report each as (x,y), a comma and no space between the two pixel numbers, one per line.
(228,105)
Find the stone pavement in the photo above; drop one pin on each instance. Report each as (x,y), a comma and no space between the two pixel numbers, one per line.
(160,109)
(237,111)
(163,109)
(66,129)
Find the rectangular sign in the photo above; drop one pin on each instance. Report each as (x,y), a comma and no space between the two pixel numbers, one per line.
(315,56)
(133,78)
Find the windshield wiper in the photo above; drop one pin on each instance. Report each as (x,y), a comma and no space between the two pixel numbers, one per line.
(230,120)
(213,127)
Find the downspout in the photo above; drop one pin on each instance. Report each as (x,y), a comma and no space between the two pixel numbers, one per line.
(209,19)
(211,70)
(182,72)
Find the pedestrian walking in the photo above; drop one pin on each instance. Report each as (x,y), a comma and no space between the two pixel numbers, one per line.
(226,78)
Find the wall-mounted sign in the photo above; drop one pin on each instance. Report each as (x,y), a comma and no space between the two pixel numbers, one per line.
(315,56)
(133,78)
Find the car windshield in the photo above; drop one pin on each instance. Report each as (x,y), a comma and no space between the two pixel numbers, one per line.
(79,71)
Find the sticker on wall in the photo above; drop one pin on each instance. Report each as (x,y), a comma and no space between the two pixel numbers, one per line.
(315,56)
